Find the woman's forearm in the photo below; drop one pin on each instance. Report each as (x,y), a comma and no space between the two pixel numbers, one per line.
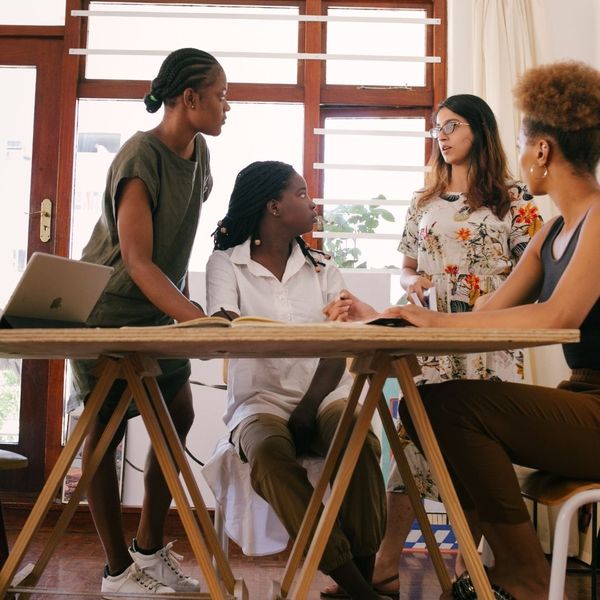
(406,275)
(546,315)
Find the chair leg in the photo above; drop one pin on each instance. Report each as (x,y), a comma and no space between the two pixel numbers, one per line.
(219,521)
(3,541)
(561,540)
(595,541)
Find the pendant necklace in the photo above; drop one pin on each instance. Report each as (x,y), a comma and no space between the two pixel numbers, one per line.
(463,213)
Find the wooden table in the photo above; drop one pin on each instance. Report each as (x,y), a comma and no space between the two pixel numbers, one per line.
(131,353)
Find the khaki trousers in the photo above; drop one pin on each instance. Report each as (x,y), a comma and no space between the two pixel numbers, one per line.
(265,442)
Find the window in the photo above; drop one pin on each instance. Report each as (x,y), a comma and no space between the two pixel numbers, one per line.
(381,33)
(253,129)
(370,177)
(16,141)
(224,30)
(344,93)
(33,12)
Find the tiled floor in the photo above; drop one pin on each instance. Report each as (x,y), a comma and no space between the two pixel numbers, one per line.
(77,567)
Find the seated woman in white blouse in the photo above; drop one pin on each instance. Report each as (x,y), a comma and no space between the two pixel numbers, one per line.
(279,409)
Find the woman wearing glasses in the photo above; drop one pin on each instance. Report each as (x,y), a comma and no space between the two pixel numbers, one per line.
(464,232)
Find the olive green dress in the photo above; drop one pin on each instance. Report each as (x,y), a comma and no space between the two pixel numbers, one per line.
(177,188)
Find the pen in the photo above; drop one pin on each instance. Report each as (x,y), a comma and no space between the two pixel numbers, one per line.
(226,314)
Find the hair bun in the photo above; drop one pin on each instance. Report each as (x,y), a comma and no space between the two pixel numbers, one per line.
(152,102)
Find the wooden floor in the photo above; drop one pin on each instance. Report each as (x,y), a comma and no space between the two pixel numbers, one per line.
(77,567)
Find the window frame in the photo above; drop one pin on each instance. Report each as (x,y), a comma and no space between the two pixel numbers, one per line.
(319,98)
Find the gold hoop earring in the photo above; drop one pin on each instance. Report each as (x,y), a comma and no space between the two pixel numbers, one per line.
(544,172)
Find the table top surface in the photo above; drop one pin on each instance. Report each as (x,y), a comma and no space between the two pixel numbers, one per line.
(270,340)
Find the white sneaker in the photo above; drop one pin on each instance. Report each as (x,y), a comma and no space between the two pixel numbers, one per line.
(133,581)
(164,566)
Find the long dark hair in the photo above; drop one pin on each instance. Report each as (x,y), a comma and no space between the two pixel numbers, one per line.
(254,186)
(488,178)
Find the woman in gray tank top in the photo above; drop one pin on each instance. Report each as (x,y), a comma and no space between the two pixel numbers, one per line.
(483,427)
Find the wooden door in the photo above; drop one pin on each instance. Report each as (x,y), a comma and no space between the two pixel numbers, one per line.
(30,69)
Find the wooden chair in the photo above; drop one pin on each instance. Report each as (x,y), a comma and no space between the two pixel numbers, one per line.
(549,489)
(8,461)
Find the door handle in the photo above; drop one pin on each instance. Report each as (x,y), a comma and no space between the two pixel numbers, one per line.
(45,213)
(46,220)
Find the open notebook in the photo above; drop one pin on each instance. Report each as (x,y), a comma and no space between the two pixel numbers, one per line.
(55,292)
(223,322)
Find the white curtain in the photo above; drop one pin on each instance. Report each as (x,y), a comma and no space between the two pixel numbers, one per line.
(504,44)
(509,37)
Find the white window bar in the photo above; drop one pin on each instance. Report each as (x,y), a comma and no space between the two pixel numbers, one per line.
(355,202)
(252,16)
(350,235)
(222,54)
(372,132)
(411,168)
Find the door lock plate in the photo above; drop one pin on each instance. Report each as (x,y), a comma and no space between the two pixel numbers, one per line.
(46,220)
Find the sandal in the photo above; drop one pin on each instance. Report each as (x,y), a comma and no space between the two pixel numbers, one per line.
(463,589)
(393,594)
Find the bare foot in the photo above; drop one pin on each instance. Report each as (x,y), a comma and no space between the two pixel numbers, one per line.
(333,590)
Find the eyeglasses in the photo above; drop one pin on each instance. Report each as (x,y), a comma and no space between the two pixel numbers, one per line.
(447,128)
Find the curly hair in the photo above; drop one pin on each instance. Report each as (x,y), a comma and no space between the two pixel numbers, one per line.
(562,100)
(182,69)
(254,186)
(489,180)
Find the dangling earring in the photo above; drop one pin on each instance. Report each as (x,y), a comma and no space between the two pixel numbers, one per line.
(544,172)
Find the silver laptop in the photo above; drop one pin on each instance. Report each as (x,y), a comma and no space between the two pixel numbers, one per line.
(55,292)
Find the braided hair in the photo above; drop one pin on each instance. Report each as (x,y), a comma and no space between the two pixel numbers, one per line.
(254,186)
(183,68)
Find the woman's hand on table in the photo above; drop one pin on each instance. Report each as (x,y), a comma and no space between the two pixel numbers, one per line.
(415,315)
(347,307)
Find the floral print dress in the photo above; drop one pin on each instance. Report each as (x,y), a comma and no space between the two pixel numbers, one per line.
(466,253)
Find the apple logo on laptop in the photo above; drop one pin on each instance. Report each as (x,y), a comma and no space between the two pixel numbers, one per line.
(56,303)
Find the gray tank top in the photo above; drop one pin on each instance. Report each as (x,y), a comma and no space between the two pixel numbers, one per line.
(585,354)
